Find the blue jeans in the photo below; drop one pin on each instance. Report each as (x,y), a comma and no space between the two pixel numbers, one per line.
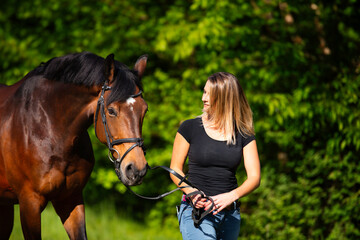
(225,225)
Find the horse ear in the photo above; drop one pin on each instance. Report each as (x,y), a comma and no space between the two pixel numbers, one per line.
(140,65)
(109,67)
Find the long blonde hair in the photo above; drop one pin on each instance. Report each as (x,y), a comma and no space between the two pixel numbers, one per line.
(229,109)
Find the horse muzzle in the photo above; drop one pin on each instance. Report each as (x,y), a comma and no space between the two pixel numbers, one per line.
(130,175)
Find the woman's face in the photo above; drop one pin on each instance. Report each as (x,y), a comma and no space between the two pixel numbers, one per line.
(206,97)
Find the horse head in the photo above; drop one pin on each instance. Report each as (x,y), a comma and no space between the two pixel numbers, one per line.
(118,121)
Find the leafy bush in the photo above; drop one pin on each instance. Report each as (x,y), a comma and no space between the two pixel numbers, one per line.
(297,61)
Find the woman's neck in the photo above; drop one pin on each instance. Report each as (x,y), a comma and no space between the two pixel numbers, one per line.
(211,129)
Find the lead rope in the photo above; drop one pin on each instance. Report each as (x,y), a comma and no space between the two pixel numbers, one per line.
(197,214)
(182,179)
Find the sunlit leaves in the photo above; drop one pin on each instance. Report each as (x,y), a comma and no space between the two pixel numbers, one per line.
(305,99)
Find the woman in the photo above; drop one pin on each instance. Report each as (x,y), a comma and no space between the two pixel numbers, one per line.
(215,143)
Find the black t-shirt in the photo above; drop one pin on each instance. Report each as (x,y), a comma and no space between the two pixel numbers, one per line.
(212,163)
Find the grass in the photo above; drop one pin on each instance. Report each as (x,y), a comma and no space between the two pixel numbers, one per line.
(102,222)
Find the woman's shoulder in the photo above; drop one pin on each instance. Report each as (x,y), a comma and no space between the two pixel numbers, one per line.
(187,128)
(246,138)
(189,124)
(191,121)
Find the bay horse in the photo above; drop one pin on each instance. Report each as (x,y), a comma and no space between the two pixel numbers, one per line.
(45,150)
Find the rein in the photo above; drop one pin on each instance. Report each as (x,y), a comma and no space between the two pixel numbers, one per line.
(182,179)
(197,214)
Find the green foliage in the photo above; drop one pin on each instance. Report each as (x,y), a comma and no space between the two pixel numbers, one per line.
(298,63)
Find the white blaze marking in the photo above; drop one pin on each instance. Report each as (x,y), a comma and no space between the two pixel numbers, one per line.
(131,101)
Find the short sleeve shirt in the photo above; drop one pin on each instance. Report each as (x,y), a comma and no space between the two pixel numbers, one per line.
(212,163)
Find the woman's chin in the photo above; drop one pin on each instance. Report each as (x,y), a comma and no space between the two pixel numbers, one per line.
(206,109)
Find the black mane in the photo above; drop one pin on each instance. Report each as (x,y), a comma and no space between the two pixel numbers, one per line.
(88,69)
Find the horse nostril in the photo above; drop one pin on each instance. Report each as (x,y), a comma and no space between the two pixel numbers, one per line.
(129,167)
(133,174)
(130,171)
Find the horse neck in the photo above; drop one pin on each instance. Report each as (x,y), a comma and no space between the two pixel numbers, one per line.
(64,106)
(78,105)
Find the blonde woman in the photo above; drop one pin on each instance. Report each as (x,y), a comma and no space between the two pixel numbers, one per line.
(215,144)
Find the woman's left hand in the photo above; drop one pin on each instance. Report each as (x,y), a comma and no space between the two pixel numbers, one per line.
(221,201)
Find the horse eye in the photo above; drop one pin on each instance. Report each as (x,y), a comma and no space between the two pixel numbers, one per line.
(112,112)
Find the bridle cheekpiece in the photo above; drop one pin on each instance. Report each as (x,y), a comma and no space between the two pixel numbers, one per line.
(111,142)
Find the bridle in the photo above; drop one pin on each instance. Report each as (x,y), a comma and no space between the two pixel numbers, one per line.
(111,142)
(137,142)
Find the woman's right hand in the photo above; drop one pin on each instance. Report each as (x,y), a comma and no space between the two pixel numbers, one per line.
(198,201)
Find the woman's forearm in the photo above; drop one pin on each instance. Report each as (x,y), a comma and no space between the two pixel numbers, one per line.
(248,186)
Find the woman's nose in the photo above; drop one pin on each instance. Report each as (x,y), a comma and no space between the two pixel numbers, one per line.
(204,97)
